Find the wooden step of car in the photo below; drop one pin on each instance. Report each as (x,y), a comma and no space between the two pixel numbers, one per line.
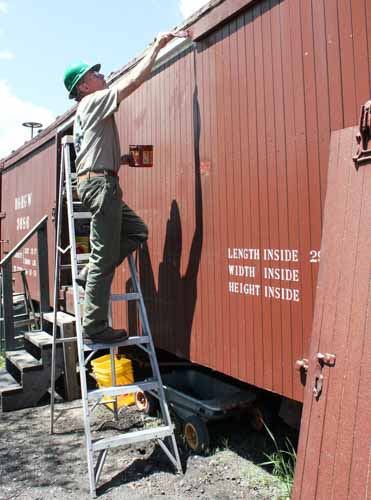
(62,318)
(8,383)
(19,362)
(42,340)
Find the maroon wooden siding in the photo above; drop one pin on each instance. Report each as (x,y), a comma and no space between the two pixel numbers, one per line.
(240,124)
(268,86)
(334,449)
(29,193)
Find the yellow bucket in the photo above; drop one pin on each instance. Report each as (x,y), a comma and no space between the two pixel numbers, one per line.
(124,375)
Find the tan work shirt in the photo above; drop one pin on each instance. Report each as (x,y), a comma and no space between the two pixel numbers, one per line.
(95,133)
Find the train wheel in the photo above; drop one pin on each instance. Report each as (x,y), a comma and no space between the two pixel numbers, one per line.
(196,434)
(146,403)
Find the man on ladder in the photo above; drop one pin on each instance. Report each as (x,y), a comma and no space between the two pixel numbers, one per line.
(116,230)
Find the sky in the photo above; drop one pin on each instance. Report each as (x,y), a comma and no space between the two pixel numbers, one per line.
(40,38)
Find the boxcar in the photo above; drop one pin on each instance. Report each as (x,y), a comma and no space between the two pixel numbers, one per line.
(240,119)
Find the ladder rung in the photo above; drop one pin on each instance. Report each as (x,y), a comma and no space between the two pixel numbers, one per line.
(68,266)
(65,339)
(123,389)
(82,257)
(133,437)
(82,215)
(137,340)
(24,322)
(117,297)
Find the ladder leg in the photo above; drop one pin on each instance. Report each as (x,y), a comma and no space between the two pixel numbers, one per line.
(153,360)
(57,262)
(76,302)
(113,378)
(99,464)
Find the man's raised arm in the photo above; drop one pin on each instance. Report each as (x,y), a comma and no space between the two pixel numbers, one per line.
(140,73)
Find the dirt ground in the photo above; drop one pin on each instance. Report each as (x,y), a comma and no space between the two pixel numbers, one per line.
(37,465)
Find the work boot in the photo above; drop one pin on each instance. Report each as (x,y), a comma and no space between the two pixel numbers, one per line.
(106,336)
(82,276)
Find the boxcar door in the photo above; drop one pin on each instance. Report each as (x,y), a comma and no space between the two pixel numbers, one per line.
(334,453)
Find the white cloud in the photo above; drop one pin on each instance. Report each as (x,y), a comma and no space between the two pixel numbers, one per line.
(6,55)
(3,7)
(14,112)
(189,7)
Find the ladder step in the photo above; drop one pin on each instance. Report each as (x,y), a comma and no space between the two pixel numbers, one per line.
(68,266)
(81,215)
(123,389)
(82,257)
(24,322)
(135,340)
(117,297)
(133,437)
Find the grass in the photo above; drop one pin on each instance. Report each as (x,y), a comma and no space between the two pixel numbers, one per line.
(283,462)
(2,360)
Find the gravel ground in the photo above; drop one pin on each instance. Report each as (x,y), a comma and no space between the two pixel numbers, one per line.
(37,465)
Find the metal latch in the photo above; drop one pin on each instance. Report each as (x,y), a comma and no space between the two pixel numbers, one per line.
(302,364)
(363,154)
(326,359)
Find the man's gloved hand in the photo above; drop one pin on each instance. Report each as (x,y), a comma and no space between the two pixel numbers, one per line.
(127,159)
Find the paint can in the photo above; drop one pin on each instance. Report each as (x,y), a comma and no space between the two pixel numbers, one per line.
(142,155)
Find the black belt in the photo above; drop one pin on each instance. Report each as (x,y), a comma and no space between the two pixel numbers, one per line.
(101,173)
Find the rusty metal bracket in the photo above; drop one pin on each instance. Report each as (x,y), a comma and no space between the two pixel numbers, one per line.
(302,364)
(363,154)
(326,359)
(323,360)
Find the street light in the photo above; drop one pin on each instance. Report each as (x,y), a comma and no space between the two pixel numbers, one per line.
(32,126)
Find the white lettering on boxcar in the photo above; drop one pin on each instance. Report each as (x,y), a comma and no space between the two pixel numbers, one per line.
(314,256)
(23,201)
(281,254)
(275,273)
(274,292)
(248,271)
(244,253)
(23,223)
(244,288)
(264,274)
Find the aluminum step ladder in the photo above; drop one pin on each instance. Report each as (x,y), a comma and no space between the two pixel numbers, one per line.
(91,399)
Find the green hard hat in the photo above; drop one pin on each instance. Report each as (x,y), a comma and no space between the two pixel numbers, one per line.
(74,73)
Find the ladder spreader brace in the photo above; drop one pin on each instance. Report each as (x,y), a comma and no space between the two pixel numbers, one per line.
(144,341)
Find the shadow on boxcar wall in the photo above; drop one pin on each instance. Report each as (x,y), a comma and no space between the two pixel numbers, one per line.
(171,307)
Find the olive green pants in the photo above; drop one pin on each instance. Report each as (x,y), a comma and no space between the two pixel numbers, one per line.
(115,231)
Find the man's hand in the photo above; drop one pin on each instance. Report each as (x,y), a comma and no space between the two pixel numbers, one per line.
(163,39)
(127,159)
